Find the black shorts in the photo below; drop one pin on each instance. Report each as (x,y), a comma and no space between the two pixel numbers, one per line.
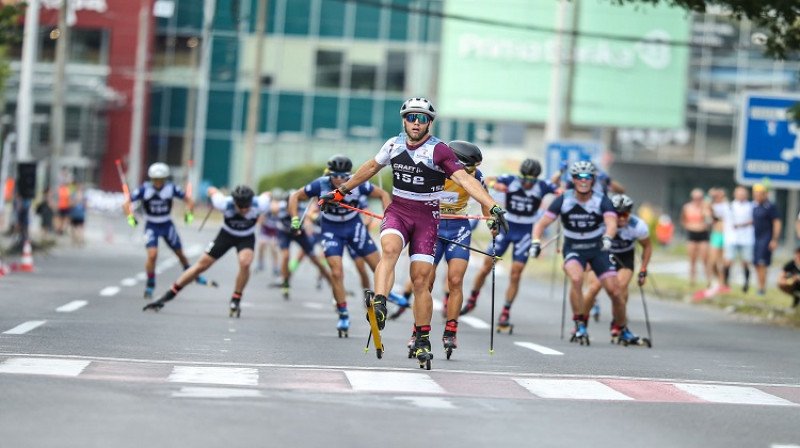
(699,237)
(224,241)
(626,258)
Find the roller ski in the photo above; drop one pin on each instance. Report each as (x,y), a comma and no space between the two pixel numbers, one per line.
(625,338)
(580,334)
(449,337)
(206,282)
(411,344)
(422,351)
(376,315)
(148,292)
(343,325)
(235,309)
(595,313)
(158,304)
(504,323)
(472,302)
(285,289)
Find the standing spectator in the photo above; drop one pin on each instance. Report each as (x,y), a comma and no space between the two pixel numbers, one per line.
(77,215)
(695,219)
(64,193)
(716,259)
(798,226)
(789,280)
(45,211)
(767,226)
(739,235)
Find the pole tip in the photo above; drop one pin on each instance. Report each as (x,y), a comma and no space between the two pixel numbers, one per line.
(191,163)
(491,352)
(366,349)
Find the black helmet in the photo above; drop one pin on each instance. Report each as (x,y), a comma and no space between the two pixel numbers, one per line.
(583,167)
(622,203)
(468,153)
(340,164)
(530,167)
(243,196)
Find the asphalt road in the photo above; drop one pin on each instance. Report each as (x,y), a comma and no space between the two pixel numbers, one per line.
(82,365)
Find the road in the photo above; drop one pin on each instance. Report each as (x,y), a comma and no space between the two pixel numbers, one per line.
(82,365)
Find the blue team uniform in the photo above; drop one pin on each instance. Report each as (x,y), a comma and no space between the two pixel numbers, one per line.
(157,206)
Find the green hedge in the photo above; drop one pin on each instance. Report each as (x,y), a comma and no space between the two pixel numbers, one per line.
(299,176)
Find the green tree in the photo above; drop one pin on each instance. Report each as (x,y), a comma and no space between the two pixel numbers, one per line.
(10,32)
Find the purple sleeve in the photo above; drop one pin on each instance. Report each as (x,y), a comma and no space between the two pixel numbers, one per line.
(446,159)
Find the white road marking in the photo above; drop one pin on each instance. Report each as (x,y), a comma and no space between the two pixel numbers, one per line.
(235,376)
(215,392)
(732,394)
(313,305)
(474,322)
(401,382)
(130,281)
(44,366)
(429,402)
(783,446)
(571,389)
(72,306)
(109,291)
(538,348)
(25,327)
(142,276)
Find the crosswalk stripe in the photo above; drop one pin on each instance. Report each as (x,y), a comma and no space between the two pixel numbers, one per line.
(25,327)
(44,366)
(733,394)
(571,389)
(538,348)
(234,376)
(400,382)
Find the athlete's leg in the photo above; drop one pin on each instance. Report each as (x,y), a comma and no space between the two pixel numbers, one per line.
(593,288)
(513,281)
(420,272)
(245,257)
(574,270)
(624,276)
(337,278)
(612,286)
(392,246)
(189,275)
(456,268)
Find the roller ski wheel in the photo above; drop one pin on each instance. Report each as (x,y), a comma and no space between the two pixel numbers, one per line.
(423,353)
(412,345)
(505,327)
(235,309)
(449,345)
(626,338)
(148,292)
(581,336)
(285,290)
(154,306)
(343,326)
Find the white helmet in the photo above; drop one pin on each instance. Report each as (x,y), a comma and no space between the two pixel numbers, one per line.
(415,105)
(158,170)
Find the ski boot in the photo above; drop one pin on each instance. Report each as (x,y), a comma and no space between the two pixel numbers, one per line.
(626,338)
(158,304)
(449,337)
(344,324)
(595,313)
(503,323)
(470,305)
(580,335)
(422,351)
(148,291)
(235,308)
(411,343)
(285,289)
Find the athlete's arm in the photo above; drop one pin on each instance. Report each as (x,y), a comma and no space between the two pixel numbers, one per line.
(610,219)
(294,199)
(381,194)
(364,173)
(541,224)
(647,251)
(473,188)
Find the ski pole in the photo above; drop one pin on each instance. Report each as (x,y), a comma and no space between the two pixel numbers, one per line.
(189,183)
(551,240)
(494,257)
(210,209)
(445,216)
(369,338)
(563,305)
(491,329)
(555,262)
(124,181)
(646,317)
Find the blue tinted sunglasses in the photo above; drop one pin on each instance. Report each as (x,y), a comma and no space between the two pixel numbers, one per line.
(583,176)
(341,175)
(423,119)
(530,179)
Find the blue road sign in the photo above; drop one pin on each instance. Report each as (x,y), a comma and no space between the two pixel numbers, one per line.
(768,141)
(570,151)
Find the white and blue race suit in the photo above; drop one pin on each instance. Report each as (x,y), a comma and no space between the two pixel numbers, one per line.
(624,243)
(583,230)
(237,230)
(522,206)
(343,227)
(285,232)
(157,205)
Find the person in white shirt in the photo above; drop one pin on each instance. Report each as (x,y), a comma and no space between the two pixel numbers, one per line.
(739,234)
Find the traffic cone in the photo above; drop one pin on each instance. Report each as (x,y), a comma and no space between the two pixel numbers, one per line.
(26,264)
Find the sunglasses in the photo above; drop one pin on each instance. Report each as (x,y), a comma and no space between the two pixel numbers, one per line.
(624,215)
(529,179)
(422,118)
(583,176)
(339,175)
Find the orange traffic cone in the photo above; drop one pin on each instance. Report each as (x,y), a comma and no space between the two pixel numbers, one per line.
(26,264)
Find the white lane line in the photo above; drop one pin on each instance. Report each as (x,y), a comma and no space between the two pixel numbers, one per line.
(141,276)
(44,366)
(72,306)
(774,445)
(25,327)
(109,291)
(474,322)
(732,394)
(538,348)
(571,389)
(313,305)
(400,382)
(234,376)
(429,402)
(215,392)
(128,281)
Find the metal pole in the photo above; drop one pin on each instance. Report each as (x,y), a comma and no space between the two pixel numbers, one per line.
(254,102)
(57,125)
(137,122)
(25,95)
(191,104)
(553,126)
(198,147)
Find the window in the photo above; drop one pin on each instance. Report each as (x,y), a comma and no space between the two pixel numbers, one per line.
(329,68)
(331,19)
(395,71)
(362,77)
(173,50)
(297,15)
(368,20)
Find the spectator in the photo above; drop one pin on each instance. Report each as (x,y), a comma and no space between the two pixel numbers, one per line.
(45,211)
(739,235)
(64,194)
(789,280)
(716,259)
(767,226)
(77,215)
(664,229)
(695,219)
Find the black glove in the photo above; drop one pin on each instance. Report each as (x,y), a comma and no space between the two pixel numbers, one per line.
(499,216)
(642,277)
(536,248)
